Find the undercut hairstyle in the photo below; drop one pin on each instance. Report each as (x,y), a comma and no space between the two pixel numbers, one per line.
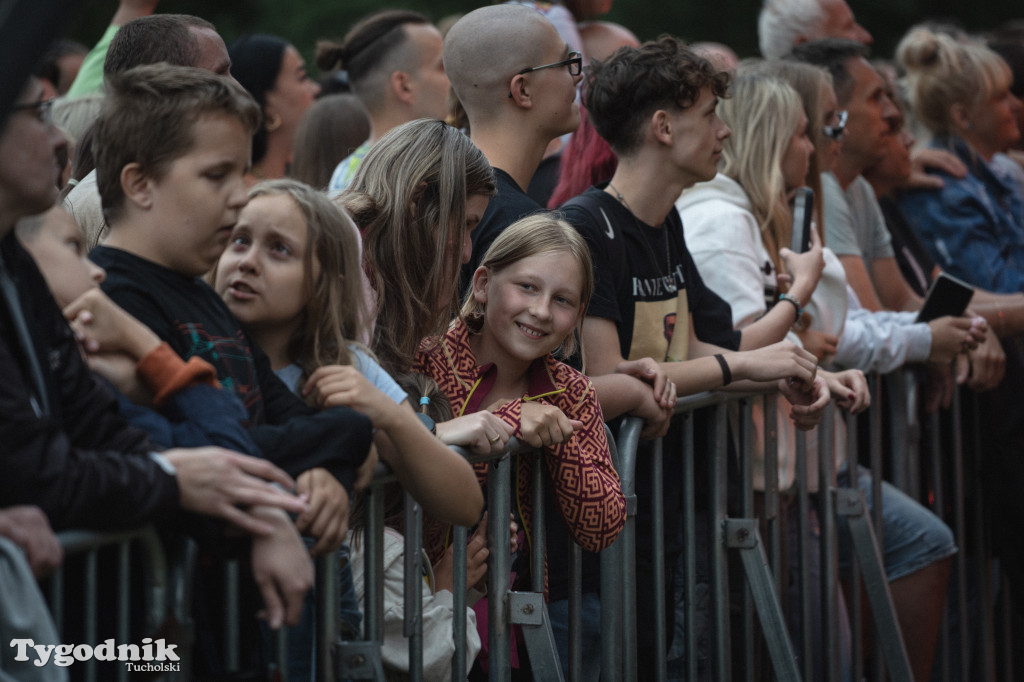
(374,47)
(623,91)
(781,22)
(149,117)
(834,55)
(409,200)
(154,39)
(763,114)
(941,72)
(536,235)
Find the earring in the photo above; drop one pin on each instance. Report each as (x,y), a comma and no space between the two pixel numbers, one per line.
(273,123)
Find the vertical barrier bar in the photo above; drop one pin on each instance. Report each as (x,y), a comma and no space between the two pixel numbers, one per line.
(613,583)
(689,550)
(829,550)
(498,569)
(373,593)
(231,611)
(412,628)
(537,532)
(281,646)
(939,506)
(327,609)
(91,605)
(658,559)
(575,612)
(719,559)
(747,512)
(983,571)
(875,454)
(123,593)
(459,539)
(771,485)
(960,531)
(856,621)
(629,439)
(57,598)
(807,652)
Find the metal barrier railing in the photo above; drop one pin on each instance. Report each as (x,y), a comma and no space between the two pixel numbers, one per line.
(925,463)
(155,588)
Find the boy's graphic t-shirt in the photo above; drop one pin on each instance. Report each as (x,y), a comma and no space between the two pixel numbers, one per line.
(646,281)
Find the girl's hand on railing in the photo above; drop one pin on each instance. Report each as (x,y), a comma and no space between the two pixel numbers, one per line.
(808,401)
(327,516)
(542,425)
(281,568)
(783,360)
(849,389)
(481,432)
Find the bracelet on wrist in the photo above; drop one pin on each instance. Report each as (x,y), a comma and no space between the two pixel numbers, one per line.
(796,304)
(726,372)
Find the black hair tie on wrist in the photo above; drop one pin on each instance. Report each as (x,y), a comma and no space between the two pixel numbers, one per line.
(726,372)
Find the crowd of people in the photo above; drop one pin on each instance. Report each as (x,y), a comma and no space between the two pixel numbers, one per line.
(229,290)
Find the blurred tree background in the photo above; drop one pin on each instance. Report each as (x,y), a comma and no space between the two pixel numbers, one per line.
(733,22)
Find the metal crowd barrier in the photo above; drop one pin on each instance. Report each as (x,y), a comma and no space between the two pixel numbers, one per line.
(747,633)
(155,589)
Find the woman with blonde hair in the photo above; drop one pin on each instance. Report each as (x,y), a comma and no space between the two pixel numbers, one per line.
(974,226)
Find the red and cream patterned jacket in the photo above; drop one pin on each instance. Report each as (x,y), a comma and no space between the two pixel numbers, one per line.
(586,487)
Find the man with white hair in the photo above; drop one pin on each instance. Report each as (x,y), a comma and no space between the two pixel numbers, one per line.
(783,24)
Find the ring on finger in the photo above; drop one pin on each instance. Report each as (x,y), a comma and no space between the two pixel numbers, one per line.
(495,439)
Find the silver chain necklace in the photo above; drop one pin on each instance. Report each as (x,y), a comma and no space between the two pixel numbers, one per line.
(670,281)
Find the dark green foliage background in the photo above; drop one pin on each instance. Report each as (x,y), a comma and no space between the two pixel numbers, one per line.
(729,21)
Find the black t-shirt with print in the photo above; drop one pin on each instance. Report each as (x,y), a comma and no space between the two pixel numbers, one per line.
(634,275)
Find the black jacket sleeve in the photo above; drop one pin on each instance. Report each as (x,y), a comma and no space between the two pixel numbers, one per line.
(82,464)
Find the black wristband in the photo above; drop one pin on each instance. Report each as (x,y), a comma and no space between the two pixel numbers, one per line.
(726,372)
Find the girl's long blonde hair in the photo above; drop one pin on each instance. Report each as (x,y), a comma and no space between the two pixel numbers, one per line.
(409,200)
(763,114)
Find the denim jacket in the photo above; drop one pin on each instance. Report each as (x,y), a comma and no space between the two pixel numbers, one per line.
(974,227)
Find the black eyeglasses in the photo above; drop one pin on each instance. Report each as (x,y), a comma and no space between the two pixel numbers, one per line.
(835,130)
(574,62)
(43,109)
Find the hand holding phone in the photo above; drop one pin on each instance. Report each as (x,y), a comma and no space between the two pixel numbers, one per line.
(803,213)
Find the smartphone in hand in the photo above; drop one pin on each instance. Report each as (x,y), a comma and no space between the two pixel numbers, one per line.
(803,212)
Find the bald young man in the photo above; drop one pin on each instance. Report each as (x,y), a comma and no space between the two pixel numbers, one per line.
(517,81)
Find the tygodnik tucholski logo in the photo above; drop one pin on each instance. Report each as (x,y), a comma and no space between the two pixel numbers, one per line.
(151,656)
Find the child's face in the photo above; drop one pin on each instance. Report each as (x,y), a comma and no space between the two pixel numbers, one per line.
(531,306)
(261,275)
(59,250)
(197,201)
